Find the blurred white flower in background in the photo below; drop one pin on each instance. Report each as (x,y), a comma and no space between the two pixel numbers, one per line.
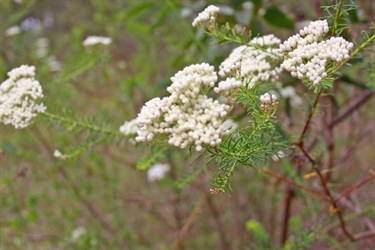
(41,47)
(94,40)
(59,155)
(54,64)
(77,233)
(157,171)
(12,31)
(290,92)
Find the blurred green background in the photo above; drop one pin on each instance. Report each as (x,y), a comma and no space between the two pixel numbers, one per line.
(98,199)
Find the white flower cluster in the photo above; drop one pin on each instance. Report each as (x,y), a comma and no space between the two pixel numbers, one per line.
(308,55)
(228,87)
(253,64)
(157,171)
(268,100)
(186,116)
(207,16)
(20,95)
(129,127)
(94,40)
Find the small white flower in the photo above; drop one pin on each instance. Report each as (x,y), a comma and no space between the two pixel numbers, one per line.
(229,126)
(157,171)
(94,40)
(41,47)
(59,155)
(20,97)
(78,233)
(268,100)
(13,30)
(207,16)
(54,64)
(276,157)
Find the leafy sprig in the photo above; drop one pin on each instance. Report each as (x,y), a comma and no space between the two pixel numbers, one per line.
(250,145)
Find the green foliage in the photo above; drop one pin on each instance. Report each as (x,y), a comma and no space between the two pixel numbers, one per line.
(248,146)
(339,13)
(261,237)
(278,18)
(147,161)
(303,239)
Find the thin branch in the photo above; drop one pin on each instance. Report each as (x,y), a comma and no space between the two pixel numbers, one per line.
(357,237)
(189,222)
(290,181)
(334,205)
(328,139)
(309,117)
(290,193)
(351,108)
(355,187)
(81,124)
(337,16)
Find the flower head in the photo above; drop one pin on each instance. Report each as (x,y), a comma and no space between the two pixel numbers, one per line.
(308,54)
(20,97)
(94,40)
(207,16)
(228,88)
(268,100)
(187,116)
(253,64)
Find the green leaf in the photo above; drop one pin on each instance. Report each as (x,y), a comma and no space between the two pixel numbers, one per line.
(277,18)
(147,161)
(139,9)
(190,177)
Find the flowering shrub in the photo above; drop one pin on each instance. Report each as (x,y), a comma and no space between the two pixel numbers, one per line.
(246,112)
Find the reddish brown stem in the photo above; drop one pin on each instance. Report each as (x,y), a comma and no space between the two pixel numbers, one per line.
(355,187)
(334,205)
(310,116)
(189,222)
(289,181)
(287,212)
(328,139)
(352,107)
